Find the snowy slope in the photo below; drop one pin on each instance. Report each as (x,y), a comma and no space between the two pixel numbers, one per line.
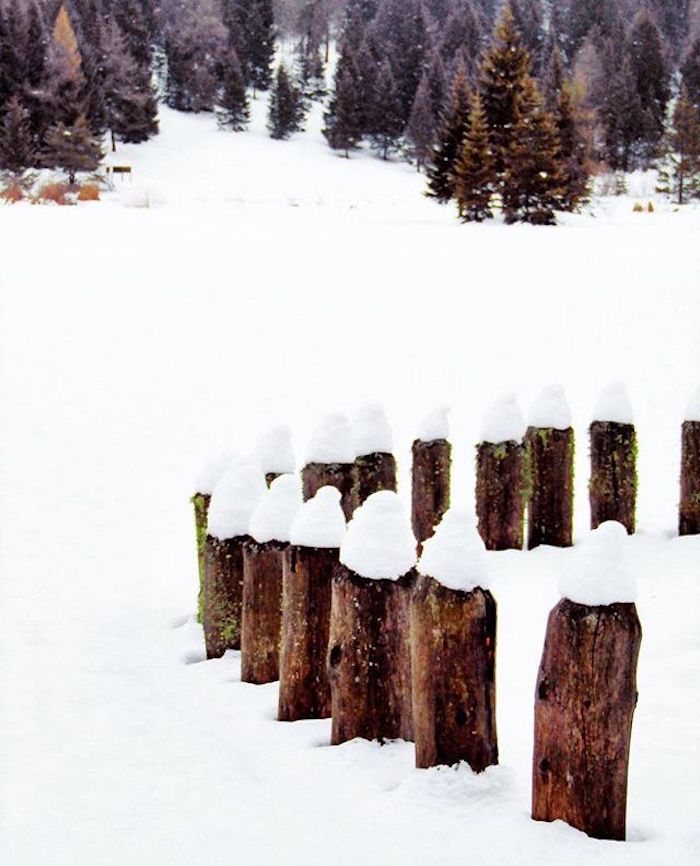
(273,282)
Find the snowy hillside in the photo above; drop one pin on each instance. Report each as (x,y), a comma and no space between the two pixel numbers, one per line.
(271,282)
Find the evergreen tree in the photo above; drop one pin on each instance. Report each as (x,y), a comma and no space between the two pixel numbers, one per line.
(474,175)
(437,84)
(387,113)
(16,146)
(690,71)
(528,16)
(257,24)
(649,68)
(532,183)
(572,154)
(450,135)
(343,127)
(284,112)
(364,71)
(196,43)
(421,124)
(233,111)
(129,15)
(679,174)
(621,115)
(462,33)
(72,148)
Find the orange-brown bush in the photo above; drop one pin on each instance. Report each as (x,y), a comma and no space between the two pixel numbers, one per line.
(12,192)
(55,192)
(89,192)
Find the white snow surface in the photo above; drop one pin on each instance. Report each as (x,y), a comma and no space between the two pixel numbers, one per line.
(234,499)
(435,425)
(277,510)
(379,543)
(692,412)
(372,431)
(213,469)
(503,422)
(332,441)
(599,572)
(320,522)
(455,555)
(274,451)
(551,409)
(120,743)
(614,404)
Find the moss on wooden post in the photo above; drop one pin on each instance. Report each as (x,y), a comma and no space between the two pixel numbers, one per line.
(453,647)
(584,703)
(500,494)
(613,483)
(430,495)
(550,487)
(223,594)
(689,510)
(373,472)
(200,501)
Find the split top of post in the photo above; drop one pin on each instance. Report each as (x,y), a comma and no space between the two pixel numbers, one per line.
(503,422)
(435,425)
(614,405)
(371,431)
(273,517)
(455,555)
(320,522)
(599,573)
(551,409)
(331,441)
(379,543)
(235,497)
(274,452)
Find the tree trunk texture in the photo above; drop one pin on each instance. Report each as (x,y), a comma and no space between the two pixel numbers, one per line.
(584,704)
(374,472)
(613,484)
(369,657)
(223,594)
(314,476)
(453,652)
(550,465)
(262,612)
(305,692)
(689,512)
(201,501)
(500,494)
(430,495)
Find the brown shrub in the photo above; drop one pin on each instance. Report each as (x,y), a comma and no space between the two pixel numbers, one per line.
(89,192)
(12,192)
(55,192)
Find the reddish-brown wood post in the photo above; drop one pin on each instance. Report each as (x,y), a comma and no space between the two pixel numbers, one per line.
(584,704)
(453,650)
(500,477)
(689,511)
(331,461)
(369,649)
(233,501)
(200,502)
(375,465)
(432,461)
(309,564)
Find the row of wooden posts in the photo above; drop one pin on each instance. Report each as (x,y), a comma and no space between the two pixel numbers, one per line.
(412,659)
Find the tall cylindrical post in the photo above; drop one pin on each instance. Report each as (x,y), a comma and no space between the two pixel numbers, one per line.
(689,509)
(375,465)
(432,459)
(330,460)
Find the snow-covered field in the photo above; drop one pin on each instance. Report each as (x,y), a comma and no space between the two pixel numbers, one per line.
(271,282)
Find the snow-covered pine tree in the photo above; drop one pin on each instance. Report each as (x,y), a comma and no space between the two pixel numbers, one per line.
(450,135)
(72,148)
(679,172)
(257,24)
(690,71)
(233,111)
(16,145)
(572,154)
(437,84)
(387,120)
(421,124)
(285,109)
(343,128)
(474,175)
(650,69)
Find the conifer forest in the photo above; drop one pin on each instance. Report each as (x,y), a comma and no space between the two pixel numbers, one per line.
(349,432)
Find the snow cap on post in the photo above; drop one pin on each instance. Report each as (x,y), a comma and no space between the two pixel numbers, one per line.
(599,573)
(503,422)
(551,409)
(320,522)
(455,555)
(272,519)
(692,413)
(435,425)
(213,470)
(614,405)
(331,441)
(371,431)
(274,451)
(379,543)
(233,501)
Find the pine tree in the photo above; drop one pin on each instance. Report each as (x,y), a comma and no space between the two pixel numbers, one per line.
(72,148)
(364,71)
(64,73)
(343,127)
(196,43)
(690,71)
(258,42)
(649,68)
(450,135)
(679,173)
(462,33)
(284,112)
(16,146)
(437,84)
(572,154)
(387,113)
(532,184)
(233,111)
(421,124)
(474,176)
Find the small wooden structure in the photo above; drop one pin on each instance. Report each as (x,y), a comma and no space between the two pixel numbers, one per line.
(550,471)
(430,495)
(500,494)
(261,611)
(613,483)
(223,594)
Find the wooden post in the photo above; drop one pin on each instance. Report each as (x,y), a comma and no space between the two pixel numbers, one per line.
(314,476)
(373,472)
(262,611)
(306,614)
(430,495)
(367,657)
(689,511)
(550,466)
(223,594)
(584,703)
(331,461)
(274,453)
(453,646)
(200,501)
(613,483)
(375,466)
(500,494)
